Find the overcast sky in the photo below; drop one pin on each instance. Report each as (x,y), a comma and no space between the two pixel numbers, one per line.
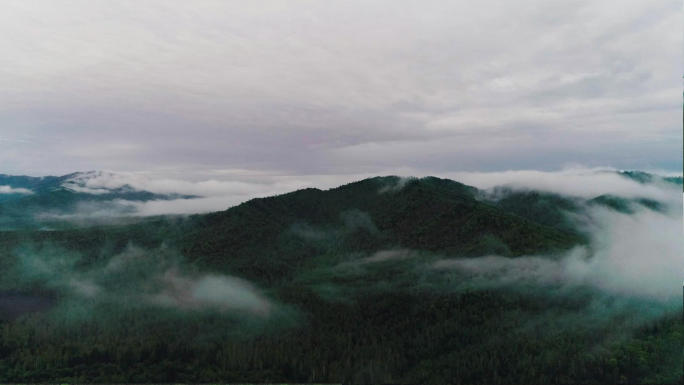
(339,87)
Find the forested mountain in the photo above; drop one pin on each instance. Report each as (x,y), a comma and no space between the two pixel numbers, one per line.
(385,280)
(275,235)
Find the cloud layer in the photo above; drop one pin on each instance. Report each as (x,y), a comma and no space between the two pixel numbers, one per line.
(339,87)
(226,190)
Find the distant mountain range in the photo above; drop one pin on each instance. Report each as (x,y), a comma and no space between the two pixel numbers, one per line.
(34,202)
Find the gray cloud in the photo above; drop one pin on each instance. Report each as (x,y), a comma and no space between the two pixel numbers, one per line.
(339,87)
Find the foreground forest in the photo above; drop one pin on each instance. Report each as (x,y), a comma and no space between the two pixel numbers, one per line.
(386,280)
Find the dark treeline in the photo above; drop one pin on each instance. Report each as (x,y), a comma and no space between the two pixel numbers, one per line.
(476,337)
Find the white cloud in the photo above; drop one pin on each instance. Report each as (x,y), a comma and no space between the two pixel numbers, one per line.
(210,291)
(13,190)
(638,255)
(581,182)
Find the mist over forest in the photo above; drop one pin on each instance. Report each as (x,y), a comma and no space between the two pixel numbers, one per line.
(515,277)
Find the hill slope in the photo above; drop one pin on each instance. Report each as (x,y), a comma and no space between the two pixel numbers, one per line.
(274,235)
